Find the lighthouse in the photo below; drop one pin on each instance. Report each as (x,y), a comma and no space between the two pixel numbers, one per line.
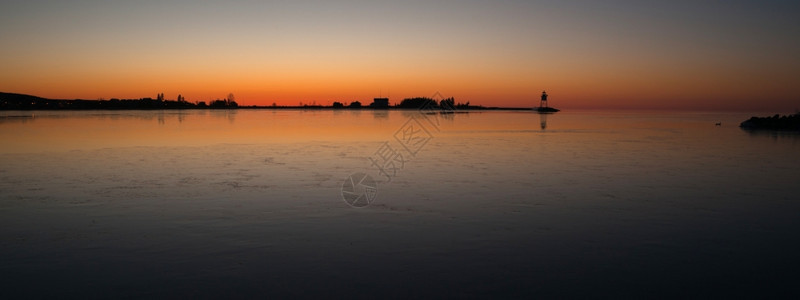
(543,102)
(543,107)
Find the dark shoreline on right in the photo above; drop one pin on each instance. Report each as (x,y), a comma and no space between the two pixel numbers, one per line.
(776,122)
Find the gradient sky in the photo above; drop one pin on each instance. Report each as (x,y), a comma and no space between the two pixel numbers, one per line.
(731,55)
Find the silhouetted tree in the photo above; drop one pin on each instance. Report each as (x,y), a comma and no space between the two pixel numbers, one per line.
(219,103)
(355,104)
(447,104)
(223,103)
(417,102)
(338,105)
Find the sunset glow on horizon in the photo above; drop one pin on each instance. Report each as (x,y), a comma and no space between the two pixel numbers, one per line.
(735,55)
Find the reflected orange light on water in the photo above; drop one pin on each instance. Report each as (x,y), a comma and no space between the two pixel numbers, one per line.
(63,131)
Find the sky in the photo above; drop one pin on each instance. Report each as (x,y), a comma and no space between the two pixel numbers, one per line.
(697,55)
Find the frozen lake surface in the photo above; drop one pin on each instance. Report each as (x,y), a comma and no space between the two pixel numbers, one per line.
(248,203)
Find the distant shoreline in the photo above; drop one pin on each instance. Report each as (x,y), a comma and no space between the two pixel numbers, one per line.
(12,101)
(273,108)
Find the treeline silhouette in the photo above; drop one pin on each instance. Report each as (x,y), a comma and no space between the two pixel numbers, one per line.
(445,104)
(11,101)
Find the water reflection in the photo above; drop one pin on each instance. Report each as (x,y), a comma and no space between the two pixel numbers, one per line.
(543,120)
(17,118)
(208,205)
(448,115)
(229,114)
(774,135)
(161,116)
(380,114)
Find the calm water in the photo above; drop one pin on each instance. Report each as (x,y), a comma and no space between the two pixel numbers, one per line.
(244,203)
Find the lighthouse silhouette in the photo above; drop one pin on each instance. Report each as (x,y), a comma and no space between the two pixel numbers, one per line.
(543,102)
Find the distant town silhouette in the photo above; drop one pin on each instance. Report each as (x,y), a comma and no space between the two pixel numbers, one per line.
(12,101)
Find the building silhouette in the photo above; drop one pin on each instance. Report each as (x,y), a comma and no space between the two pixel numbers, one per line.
(380,103)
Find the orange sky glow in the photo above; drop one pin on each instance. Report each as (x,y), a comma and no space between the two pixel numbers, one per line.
(729,56)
